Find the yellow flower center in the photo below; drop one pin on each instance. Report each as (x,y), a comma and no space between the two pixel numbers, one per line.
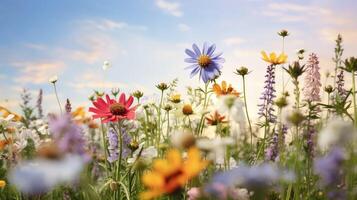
(117,109)
(204,61)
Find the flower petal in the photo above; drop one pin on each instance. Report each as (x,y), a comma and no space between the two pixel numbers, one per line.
(211,50)
(129,101)
(122,99)
(194,71)
(190,53)
(196,49)
(191,60)
(205,48)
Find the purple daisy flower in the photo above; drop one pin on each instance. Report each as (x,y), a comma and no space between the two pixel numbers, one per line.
(205,62)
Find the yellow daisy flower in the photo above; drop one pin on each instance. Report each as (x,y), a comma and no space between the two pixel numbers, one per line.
(274,59)
(171,173)
(175,98)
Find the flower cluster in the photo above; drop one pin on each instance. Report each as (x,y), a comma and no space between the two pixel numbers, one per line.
(198,143)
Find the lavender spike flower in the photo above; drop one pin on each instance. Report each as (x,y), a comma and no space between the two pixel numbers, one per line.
(341,84)
(284,131)
(68,106)
(39,104)
(312,79)
(266,108)
(310,141)
(273,150)
(114,145)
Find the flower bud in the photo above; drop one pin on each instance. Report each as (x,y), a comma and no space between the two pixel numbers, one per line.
(162,86)
(242,71)
(283,33)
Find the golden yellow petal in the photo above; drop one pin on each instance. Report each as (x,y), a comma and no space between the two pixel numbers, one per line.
(273,58)
(79,112)
(224,86)
(282,58)
(174,158)
(163,166)
(265,56)
(153,180)
(217,89)
(193,154)
(5,112)
(150,194)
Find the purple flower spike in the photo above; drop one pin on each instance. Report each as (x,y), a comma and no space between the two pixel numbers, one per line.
(266,109)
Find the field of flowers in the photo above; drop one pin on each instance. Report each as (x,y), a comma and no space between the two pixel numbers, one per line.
(201,144)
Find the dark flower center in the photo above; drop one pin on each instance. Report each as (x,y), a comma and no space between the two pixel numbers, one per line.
(118,109)
(204,61)
(187,110)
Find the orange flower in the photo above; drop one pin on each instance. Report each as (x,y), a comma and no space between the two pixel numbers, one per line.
(224,90)
(5,112)
(172,173)
(4,143)
(215,119)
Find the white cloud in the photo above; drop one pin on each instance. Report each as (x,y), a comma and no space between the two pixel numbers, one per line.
(291,12)
(93,48)
(348,35)
(34,46)
(91,80)
(37,72)
(173,8)
(104,24)
(183,27)
(233,41)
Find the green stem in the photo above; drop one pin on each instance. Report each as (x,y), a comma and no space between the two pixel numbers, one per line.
(58,101)
(201,124)
(117,174)
(168,124)
(354,98)
(297,94)
(282,68)
(159,118)
(105,147)
(247,113)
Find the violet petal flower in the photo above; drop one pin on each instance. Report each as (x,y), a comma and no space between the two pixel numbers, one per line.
(204,62)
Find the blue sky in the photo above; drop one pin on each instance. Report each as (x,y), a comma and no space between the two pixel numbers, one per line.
(145,40)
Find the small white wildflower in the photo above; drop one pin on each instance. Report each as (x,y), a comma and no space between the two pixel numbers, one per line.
(53,79)
(106,65)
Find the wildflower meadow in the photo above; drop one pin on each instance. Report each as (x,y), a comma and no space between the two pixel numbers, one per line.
(203,142)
